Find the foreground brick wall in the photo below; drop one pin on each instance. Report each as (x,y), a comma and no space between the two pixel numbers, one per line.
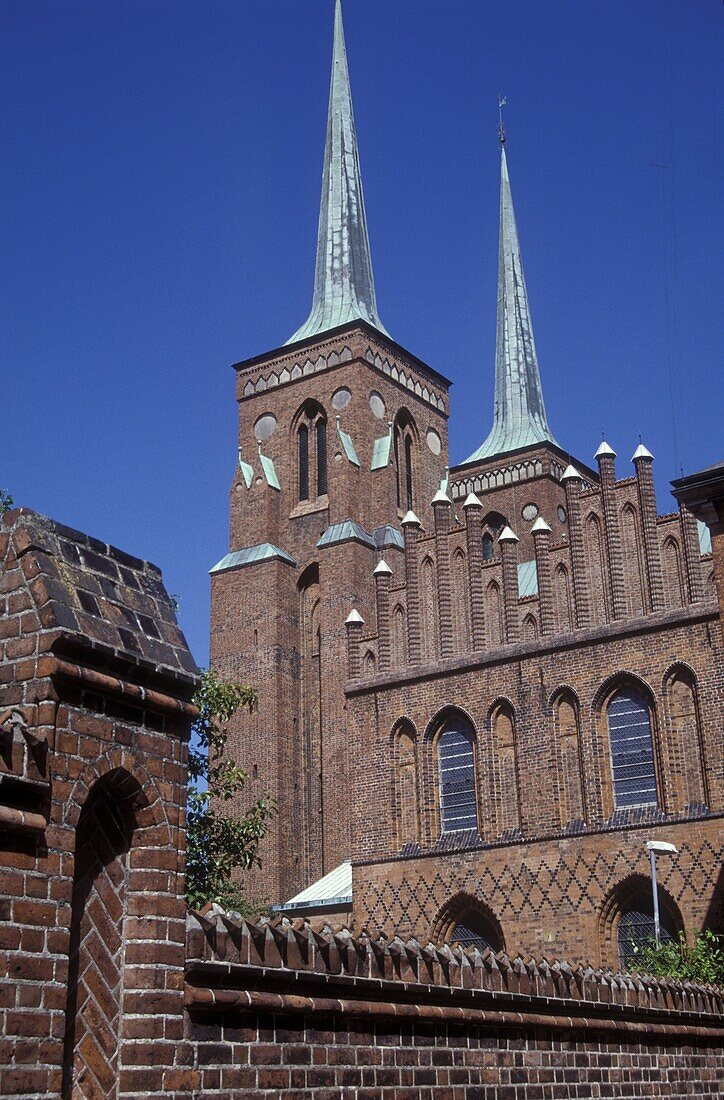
(95,712)
(279,1010)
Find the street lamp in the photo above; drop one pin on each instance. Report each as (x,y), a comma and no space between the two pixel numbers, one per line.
(655,846)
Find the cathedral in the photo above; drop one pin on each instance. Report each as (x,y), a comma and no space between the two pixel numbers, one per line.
(484,687)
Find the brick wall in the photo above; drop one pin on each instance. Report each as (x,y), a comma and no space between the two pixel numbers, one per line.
(95,711)
(282,1011)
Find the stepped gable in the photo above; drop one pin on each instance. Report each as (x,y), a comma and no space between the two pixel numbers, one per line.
(99,598)
(221,947)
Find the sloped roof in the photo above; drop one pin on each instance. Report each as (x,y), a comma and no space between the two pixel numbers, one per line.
(99,596)
(335,886)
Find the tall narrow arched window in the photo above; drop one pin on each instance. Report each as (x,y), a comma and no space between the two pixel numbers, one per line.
(408,470)
(456,766)
(405,436)
(488,548)
(321,430)
(311,428)
(303,439)
(632,750)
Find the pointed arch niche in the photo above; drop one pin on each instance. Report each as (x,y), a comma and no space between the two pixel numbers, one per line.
(571,804)
(685,753)
(506,798)
(407,797)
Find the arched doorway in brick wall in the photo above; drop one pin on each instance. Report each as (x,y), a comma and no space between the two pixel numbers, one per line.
(100,889)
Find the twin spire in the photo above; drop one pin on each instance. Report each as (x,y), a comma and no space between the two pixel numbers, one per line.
(344,288)
(519,419)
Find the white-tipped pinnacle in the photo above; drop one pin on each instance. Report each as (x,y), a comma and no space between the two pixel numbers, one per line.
(382,569)
(641,452)
(506,535)
(410,518)
(604,449)
(353,617)
(471,501)
(539,525)
(571,472)
(441,498)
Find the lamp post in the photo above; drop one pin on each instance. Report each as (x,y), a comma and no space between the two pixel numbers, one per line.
(655,846)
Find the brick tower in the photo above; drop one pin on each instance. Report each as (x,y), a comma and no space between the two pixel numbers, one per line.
(341,433)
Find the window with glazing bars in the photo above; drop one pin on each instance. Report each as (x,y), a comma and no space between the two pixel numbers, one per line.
(458,809)
(636,931)
(632,751)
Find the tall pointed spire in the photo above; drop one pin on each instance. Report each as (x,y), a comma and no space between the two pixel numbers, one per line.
(520,416)
(344,288)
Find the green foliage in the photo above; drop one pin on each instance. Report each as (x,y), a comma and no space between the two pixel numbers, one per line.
(6,501)
(703,961)
(219,841)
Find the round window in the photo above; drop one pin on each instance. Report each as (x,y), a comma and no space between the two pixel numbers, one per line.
(341,398)
(433,441)
(529,512)
(265,426)
(562,514)
(377,404)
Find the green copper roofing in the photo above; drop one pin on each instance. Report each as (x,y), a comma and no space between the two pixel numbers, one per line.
(344,288)
(520,416)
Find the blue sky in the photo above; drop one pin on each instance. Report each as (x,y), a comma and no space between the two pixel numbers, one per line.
(160,181)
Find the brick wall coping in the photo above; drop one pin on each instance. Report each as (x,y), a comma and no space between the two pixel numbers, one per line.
(538,647)
(232,962)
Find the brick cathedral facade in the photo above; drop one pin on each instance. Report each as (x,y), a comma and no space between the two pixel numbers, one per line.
(486,685)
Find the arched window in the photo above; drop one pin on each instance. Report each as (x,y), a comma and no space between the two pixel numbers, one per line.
(467,920)
(404,438)
(321,429)
(627,921)
(456,766)
(311,428)
(303,440)
(399,635)
(475,929)
(636,931)
(632,751)
(488,547)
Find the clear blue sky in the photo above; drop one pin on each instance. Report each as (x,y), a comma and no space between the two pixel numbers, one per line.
(160,184)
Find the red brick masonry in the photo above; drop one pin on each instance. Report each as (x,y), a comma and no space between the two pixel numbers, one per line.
(279,1009)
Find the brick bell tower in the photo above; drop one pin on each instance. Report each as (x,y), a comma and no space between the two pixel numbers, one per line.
(341,433)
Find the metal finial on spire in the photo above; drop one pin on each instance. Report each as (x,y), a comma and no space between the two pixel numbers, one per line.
(502,100)
(344,288)
(520,417)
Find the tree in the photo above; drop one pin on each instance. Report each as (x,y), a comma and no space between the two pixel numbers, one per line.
(6,501)
(220,841)
(702,962)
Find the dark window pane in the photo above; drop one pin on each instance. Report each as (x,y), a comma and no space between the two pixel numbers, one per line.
(632,754)
(487,547)
(408,471)
(304,463)
(475,930)
(636,931)
(321,458)
(458,809)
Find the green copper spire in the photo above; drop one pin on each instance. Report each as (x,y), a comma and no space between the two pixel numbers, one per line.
(520,416)
(344,288)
